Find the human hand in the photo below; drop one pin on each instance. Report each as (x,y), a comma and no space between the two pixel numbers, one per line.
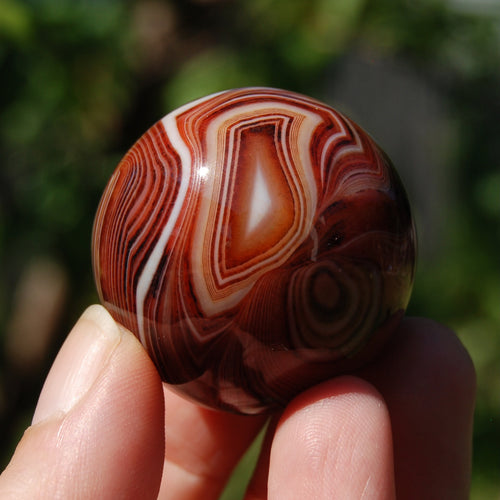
(105,427)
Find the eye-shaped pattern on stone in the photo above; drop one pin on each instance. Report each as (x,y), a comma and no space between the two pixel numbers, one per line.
(257,242)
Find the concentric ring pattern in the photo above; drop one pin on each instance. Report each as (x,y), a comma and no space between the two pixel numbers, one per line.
(257,242)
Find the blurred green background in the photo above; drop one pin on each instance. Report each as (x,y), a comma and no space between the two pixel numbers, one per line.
(82,80)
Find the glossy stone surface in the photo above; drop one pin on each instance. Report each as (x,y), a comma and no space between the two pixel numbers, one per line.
(257,242)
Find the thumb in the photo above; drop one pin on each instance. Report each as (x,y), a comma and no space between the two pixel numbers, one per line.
(98,427)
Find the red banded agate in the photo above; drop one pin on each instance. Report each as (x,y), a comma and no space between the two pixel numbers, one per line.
(257,242)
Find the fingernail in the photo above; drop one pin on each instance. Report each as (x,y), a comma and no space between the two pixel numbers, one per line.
(81,359)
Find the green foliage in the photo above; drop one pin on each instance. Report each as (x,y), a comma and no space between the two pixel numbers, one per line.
(15,21)
(62,99)
(211,71)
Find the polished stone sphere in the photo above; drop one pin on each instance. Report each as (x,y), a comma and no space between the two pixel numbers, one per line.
(257,242)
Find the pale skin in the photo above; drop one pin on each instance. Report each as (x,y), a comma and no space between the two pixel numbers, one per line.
(105,427)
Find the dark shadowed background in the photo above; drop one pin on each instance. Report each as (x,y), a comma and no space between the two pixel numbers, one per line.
(82,80)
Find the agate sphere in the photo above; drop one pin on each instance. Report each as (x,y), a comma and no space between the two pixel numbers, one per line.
(257,242)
